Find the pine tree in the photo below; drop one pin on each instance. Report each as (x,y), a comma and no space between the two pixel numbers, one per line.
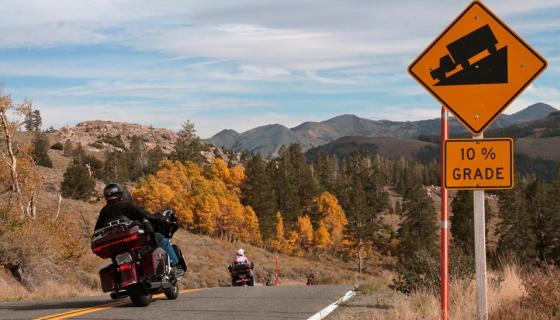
(324,169)
(91,163)
(28,121)
(517,239)
(285,187)
(36,121)
(137,158)
(257,192)
(359,189)
(417,268)
(188,146)
(418,230)
(77,183)
(546,219)
(552,226)
(40,150)
(155,157)
(116,167)
(462,221)
(78,154)
(294,183)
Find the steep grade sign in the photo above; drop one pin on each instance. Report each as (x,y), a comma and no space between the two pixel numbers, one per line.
(478,164)
(476,67)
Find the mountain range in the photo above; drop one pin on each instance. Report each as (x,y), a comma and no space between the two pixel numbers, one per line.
(268,139)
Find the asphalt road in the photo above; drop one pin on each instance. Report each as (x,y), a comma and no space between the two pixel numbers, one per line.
(248,303)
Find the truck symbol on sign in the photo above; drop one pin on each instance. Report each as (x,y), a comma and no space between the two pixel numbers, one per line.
(456,68)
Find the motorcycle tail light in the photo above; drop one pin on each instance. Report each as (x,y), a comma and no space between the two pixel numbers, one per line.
(128,274)
(131,238)
(125,267)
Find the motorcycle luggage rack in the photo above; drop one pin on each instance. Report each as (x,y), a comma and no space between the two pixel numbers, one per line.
(112,226)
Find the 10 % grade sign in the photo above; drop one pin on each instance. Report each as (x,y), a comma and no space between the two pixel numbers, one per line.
(478,164)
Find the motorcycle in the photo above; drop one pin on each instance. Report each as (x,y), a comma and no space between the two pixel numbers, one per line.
(139,268)
(241,275)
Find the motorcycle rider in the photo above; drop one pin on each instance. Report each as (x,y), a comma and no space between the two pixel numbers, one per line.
(119,205)
(240,258)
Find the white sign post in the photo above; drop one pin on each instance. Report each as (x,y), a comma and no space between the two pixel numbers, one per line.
(480,251)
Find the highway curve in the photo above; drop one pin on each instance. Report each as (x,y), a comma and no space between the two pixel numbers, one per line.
(249,303)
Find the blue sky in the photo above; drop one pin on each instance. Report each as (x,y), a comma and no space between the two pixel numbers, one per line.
(241,64)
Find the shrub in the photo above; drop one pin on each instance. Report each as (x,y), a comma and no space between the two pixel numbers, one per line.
(418,272)
(57,146)
(115,141)
(40,149)
(77,183)
(96,145)
(543,292)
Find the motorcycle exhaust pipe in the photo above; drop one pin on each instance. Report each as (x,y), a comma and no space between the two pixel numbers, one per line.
(158,284)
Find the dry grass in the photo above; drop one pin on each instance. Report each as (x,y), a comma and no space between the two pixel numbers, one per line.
(49,289)
(55,267)
(505,288)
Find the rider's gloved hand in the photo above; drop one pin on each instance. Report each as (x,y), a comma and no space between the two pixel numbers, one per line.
(147,226)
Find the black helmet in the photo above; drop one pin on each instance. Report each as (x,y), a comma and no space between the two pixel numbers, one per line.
(113,191)
(169,215)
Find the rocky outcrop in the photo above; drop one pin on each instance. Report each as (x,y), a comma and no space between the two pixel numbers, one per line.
(92,135)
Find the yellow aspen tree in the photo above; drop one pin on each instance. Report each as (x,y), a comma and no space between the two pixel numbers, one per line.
(291,243)
(251,225)
(174,174)
(322,237)
(218,169)
(153,195)
(205,198)
(279,240)
(305,232)
(237,176)
(205,214)
(331,214)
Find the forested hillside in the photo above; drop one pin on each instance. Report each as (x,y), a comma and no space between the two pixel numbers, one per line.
(363,212)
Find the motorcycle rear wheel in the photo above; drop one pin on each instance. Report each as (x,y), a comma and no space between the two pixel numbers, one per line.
(138,296)
(173,292)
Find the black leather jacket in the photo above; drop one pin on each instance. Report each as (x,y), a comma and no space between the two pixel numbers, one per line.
(115,210)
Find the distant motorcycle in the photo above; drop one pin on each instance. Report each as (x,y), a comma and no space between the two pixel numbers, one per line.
(139,268)
(241,274)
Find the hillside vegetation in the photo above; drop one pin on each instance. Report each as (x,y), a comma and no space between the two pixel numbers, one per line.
(350,218)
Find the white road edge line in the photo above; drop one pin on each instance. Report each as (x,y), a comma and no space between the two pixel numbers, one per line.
(330,308)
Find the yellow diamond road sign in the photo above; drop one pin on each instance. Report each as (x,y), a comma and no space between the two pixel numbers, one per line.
(476,67)
(478,163)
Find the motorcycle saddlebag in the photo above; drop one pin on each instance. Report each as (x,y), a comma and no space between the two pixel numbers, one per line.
(182,262)
(241,268)
(153,262)
(107,276)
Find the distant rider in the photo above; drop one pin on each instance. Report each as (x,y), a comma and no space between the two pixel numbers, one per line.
(240,258)
(118,207)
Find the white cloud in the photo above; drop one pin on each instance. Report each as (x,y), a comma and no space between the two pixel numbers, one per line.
(245,47)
